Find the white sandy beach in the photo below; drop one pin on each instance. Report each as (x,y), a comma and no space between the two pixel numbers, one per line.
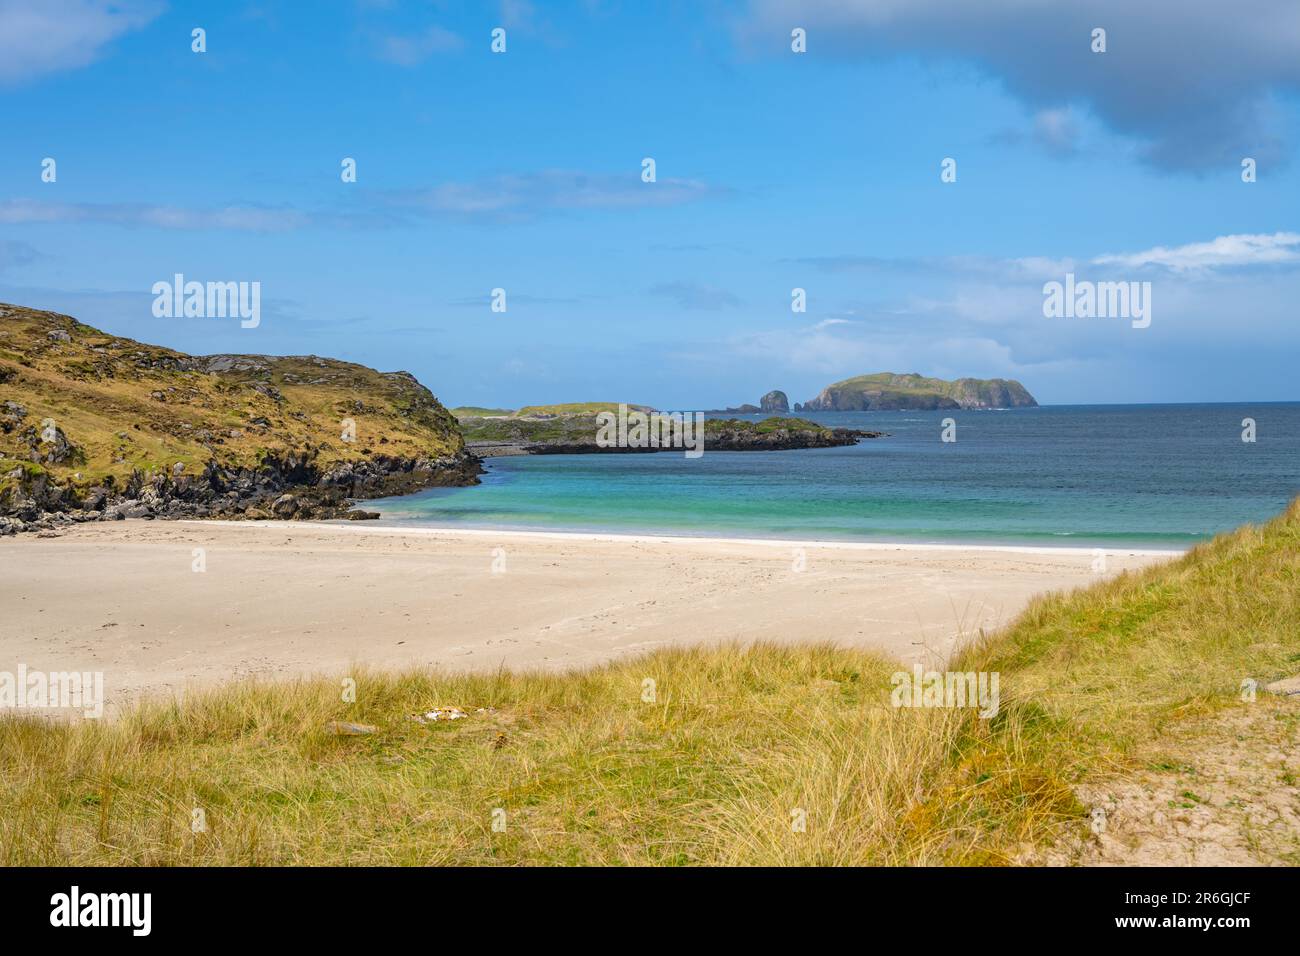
(280,599)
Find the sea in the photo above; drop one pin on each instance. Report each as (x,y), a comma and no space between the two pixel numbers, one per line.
(1098,476)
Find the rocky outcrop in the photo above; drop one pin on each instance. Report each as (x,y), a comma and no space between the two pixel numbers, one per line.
(773,403)
(577,435)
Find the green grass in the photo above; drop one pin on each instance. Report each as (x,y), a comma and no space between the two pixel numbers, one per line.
(577,408)
(776,423)
(1093,683)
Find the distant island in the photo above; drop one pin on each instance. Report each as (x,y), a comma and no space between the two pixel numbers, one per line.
(887,391)
(572,428)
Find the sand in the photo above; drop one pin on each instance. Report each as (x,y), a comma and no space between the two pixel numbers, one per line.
(279,599)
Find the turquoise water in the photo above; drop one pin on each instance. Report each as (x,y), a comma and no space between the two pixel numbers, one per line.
(1163,476)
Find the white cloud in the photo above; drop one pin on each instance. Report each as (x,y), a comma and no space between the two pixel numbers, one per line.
(1028,267)
(238,218)
(52,35)
(1235,250)
(1261,249)
(695,295)
(983,317)
(414,50)
(1057,130)
(521,195)
(503,198)
(1192,80)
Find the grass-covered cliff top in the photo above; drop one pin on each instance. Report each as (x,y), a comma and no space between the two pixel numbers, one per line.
(120,405)
(535,411)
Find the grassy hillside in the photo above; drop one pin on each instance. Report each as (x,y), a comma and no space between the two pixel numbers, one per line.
(1135,678)
(887,390)
(84,408)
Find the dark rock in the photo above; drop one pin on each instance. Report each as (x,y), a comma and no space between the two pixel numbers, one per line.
(11,416)
(95,499)
(292,486)
(775,401)
(49,446)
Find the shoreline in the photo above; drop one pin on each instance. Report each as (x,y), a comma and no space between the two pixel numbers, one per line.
(643,538)
(285,599)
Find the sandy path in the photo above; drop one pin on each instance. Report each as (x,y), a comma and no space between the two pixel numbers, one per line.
(295,598)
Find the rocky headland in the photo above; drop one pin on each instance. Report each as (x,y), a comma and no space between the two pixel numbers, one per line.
(95,427)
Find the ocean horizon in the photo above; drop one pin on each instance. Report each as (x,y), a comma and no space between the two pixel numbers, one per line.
(1103,476)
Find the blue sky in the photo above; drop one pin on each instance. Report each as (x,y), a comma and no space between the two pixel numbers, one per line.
(775,170)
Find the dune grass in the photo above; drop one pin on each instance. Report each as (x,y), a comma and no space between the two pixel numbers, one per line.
(738,745)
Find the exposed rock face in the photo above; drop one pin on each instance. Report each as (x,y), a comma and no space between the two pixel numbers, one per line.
(284,506)
(11,416)
(288,488)
(886,391)
(775,402)
(49,446)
